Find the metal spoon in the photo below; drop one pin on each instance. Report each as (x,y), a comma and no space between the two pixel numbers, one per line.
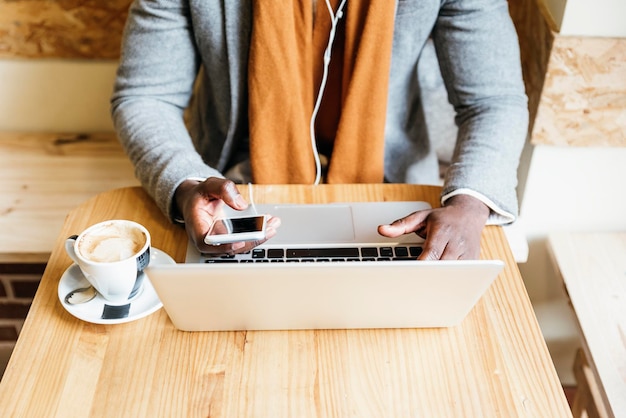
(80,295)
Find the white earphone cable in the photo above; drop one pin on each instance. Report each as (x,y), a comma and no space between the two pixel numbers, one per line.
(251,199)
(327,54)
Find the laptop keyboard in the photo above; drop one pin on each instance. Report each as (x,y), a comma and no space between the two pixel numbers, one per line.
(312,255)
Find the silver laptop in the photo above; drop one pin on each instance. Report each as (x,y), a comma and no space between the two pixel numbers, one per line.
(327,268)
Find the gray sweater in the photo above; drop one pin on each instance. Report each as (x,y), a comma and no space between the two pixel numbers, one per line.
(174,50)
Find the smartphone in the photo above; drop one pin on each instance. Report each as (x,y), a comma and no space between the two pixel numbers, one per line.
(236,229)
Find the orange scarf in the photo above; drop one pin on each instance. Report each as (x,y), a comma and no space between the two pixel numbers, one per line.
(284,75)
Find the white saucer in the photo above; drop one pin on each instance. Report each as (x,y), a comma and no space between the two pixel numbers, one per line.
(142,305)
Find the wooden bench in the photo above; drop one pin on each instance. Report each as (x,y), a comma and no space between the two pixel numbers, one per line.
(593,269)
(43,177)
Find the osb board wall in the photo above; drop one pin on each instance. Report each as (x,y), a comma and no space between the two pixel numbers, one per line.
(576,86)
(583,102)
(62,28)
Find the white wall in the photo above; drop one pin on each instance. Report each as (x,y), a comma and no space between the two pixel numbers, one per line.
(567,189)
(589,17)
(55,96)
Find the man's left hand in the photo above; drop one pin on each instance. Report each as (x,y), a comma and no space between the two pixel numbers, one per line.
(451,232)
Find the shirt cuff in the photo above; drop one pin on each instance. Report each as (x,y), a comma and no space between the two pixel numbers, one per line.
(497,215)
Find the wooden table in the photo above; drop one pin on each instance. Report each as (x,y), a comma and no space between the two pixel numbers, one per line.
(496,364)
(593,269)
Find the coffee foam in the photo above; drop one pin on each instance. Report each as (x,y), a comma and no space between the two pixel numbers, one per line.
(111,242)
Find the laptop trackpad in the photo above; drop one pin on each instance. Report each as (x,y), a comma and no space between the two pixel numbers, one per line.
(313,224)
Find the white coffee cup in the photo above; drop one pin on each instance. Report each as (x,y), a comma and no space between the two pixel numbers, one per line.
(112,256)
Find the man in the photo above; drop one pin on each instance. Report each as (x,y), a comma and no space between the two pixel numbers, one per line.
(270,105)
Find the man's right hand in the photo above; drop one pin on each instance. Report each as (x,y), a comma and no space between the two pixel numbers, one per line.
(199,203)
